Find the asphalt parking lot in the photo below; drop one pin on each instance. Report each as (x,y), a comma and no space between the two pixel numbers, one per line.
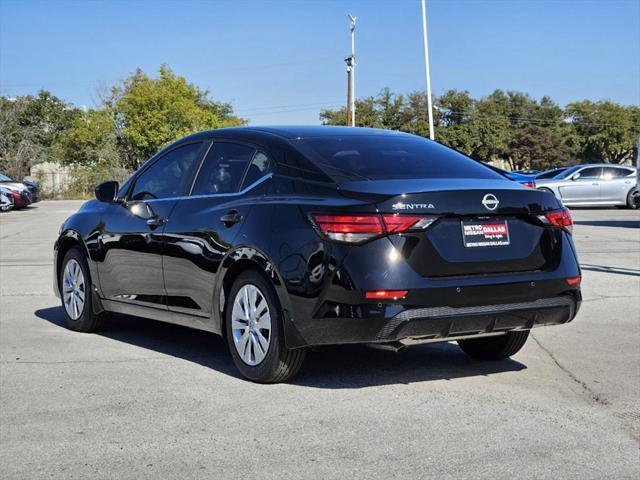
(145,399)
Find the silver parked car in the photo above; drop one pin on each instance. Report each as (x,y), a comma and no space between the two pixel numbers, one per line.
(593,185)
(6,199)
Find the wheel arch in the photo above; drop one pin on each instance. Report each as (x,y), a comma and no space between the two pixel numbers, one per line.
(66,241)
(629,199)
(240,260)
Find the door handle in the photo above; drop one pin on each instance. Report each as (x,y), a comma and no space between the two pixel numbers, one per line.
(231,218)
(156,221)
(595,184)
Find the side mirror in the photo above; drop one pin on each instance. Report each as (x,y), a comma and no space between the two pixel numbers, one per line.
(107,192)
(575,176)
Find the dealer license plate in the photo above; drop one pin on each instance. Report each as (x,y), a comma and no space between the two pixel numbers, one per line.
(494,233)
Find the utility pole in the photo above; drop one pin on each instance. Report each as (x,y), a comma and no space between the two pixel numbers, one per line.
(351,74)
(426,65)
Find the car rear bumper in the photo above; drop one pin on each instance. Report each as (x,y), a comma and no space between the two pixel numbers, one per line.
(439,323)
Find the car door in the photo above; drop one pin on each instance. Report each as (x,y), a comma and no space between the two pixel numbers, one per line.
(203,227)
(615,184)
(583,186)
(131,237)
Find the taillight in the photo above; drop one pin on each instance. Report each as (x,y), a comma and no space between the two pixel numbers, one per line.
(360,228)
(530,184)
(558,218)
(349,228)
(401,223)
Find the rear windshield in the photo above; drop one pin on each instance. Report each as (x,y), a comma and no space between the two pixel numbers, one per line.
(568,172)
(367,157)
(551,173)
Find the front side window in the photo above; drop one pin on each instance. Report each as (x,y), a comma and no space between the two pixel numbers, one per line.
(223,169)
(590,173)
(170,176)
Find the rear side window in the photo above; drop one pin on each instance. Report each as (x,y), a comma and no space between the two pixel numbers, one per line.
(258,169)
(297,166)
(389,157)
(170,176)
(612,172)
(223,169)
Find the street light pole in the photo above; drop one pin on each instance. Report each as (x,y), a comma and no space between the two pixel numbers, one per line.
(426,65)
(352,72)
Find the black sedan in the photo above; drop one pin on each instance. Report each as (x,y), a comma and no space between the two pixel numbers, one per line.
(285,238)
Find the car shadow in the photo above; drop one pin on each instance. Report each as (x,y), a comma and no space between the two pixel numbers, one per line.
(351,366)
(609,223)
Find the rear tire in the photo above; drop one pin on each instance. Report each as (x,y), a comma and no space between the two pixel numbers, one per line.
(75,292)
(253,319)
(494,348)
(630,199)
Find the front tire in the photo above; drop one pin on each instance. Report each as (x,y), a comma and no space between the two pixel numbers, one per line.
(494,348)
(631,200)
(75,292)
(253,324)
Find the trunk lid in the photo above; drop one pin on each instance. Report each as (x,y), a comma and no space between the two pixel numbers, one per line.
(484,227)
(451,196)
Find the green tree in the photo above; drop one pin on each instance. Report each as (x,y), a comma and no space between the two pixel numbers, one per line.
(459,126)
(30,127)
(150,113)
(533,133)
(537,147)
(139,117)
(367,114)
(90,140)
(605,131)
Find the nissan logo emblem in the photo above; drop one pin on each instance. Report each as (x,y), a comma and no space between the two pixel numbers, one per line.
(490,201)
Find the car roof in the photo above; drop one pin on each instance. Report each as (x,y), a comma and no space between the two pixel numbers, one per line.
(291,132)
(614,165)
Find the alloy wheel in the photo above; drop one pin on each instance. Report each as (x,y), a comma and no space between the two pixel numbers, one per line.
(73,289)
(251,324)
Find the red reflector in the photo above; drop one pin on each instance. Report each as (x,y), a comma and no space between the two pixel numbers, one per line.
(574,281)
(560,218)
(386,294)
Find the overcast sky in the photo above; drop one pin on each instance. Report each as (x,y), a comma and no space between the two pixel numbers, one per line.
(282,61)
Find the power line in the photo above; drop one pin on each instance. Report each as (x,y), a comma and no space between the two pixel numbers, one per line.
(318,104)
(284,111)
